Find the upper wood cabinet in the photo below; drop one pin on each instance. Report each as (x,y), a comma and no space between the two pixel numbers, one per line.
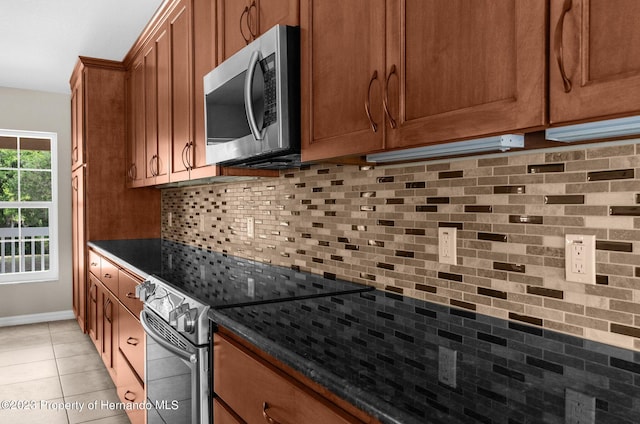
(593,69)
(418,72)
(77,124)
(459,69)
(242,21)
(342,47)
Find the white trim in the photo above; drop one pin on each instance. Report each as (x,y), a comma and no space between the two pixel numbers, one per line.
(35,318)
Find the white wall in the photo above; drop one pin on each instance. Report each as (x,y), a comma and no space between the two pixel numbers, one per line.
(41,111)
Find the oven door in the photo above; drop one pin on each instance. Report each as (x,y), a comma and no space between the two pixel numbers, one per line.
(176,375)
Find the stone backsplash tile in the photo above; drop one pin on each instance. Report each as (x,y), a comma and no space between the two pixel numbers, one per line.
(379,226)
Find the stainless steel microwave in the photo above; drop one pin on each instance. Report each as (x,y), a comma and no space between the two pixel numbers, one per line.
(252,104)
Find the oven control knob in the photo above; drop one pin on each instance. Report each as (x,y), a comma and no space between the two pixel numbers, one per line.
(174,314)
(187,321)
(145,290)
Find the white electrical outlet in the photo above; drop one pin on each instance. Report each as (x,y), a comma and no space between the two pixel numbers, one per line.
(447,241)
(170,219)
(447,367)
(251,229)
(580,258)
(579,408)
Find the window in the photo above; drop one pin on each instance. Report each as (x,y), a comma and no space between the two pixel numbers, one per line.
(28,207)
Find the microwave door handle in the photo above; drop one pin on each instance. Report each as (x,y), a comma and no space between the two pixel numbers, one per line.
(248,96)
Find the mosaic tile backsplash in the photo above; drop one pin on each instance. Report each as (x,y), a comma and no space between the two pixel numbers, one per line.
(379,226)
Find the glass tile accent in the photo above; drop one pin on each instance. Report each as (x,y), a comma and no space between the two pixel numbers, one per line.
(624,210)
(510,189)
(450,174)
(570,199)
(478,208)
(616,246)
(549,167)
(619,174)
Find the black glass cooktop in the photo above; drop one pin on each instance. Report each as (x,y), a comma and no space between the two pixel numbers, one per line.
(220,280)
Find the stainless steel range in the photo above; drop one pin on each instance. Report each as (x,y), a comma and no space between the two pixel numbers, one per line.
(177,354)
(187,282)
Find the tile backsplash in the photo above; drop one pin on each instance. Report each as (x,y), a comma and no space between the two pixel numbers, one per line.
(379,226)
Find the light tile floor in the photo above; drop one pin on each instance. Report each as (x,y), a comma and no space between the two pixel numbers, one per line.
(53,368)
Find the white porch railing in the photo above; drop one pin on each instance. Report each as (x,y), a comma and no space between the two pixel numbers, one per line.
(23,250)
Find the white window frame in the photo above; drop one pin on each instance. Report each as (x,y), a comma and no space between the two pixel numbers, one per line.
(52,274)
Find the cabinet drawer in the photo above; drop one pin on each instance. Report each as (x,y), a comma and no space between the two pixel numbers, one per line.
(94,263)
(248,385)
(221,415)
(131,341)
(127,291)
(109,275)
(130,390)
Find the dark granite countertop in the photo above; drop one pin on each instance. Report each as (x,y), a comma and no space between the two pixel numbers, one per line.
(216,279)
(380,352)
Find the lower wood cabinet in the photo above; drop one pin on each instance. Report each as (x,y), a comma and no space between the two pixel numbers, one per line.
(222,414)
(114,327)
(257,392)
(130,389)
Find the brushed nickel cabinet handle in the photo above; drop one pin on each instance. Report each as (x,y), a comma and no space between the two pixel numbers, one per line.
(107,275)
(130,396)
(184,155)
(245,12)
(107,306)
(74,183)
(188,156)
(132,341)
(558,45)
(367,102)
(131,295)
(266,416)
(385,103)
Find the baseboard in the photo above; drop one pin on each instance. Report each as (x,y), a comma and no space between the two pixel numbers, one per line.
(33,318)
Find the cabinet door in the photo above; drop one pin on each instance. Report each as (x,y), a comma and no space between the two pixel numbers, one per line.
(78,246)
(233,30)
(160,164)
(204,60)
(180,29)
(150,111)
(77,124)
(136,115)
(342,72)
(131,340)
(109,332)
(593,44)
(458,69)
(94,311)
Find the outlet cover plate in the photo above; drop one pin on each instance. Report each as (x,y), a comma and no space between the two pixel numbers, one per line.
(580,258)
(447,241)
(447,366)
(579,408)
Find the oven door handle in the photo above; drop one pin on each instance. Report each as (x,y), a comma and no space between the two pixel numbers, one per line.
(183,354)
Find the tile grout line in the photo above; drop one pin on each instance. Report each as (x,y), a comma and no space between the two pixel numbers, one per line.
(55,358)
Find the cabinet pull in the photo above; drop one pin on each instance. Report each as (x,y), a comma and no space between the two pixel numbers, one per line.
(184,155)
(130,396)
(94,264)
(253,6)
(558,47)
(107,275)
(385,103)
(134,171)
(107,306)
(189,146)
(74,183)
(245,12)
(266,416)
(367,102)
(131,295)
(132,341)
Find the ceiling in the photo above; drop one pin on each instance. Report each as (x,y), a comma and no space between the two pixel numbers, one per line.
(40,40)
